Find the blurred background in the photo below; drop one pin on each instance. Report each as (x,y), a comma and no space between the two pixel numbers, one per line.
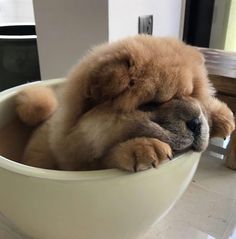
(66,29)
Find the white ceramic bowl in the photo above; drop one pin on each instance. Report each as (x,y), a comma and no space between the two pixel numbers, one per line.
(105,204)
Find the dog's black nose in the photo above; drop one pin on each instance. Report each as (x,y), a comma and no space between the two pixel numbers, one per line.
(194,125)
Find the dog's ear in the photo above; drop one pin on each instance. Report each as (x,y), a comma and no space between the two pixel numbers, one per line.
(110,76)
(101,75)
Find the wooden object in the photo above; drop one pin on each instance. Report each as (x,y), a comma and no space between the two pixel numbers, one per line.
(221,67)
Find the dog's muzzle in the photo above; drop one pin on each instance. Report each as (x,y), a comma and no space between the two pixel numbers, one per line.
(200,128)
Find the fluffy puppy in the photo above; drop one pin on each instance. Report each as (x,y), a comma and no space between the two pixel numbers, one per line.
(131,141)
(133,71)
(127,74)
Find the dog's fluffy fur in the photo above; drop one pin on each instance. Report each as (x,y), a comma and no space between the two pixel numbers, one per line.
(112,139)
(121,77)
(36,104)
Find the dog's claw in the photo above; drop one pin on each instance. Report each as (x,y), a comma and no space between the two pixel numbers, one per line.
(169,157)
(153,164)
(135,164)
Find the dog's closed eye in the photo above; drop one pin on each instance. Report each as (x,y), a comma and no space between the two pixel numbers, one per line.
(131,82)
(149,106)
(129,63)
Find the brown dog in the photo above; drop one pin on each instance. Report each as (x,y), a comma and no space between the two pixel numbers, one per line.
(137,70)
(111,139)
(124,75)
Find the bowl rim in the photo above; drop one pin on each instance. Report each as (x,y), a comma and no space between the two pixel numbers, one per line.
(29,171)
(57,175)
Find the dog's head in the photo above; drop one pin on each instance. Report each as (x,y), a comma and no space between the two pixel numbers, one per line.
(186,122)
(139,69)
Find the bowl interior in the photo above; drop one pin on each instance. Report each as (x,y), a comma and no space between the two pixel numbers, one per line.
(13,139)
(14,134)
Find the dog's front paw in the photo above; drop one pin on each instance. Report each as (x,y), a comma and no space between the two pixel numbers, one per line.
(222,126)
(138,154)
(222,122)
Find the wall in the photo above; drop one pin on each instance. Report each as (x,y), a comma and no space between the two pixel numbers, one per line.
(219,24)
(18,11)
(66,29)
(123,17)
(230,41)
